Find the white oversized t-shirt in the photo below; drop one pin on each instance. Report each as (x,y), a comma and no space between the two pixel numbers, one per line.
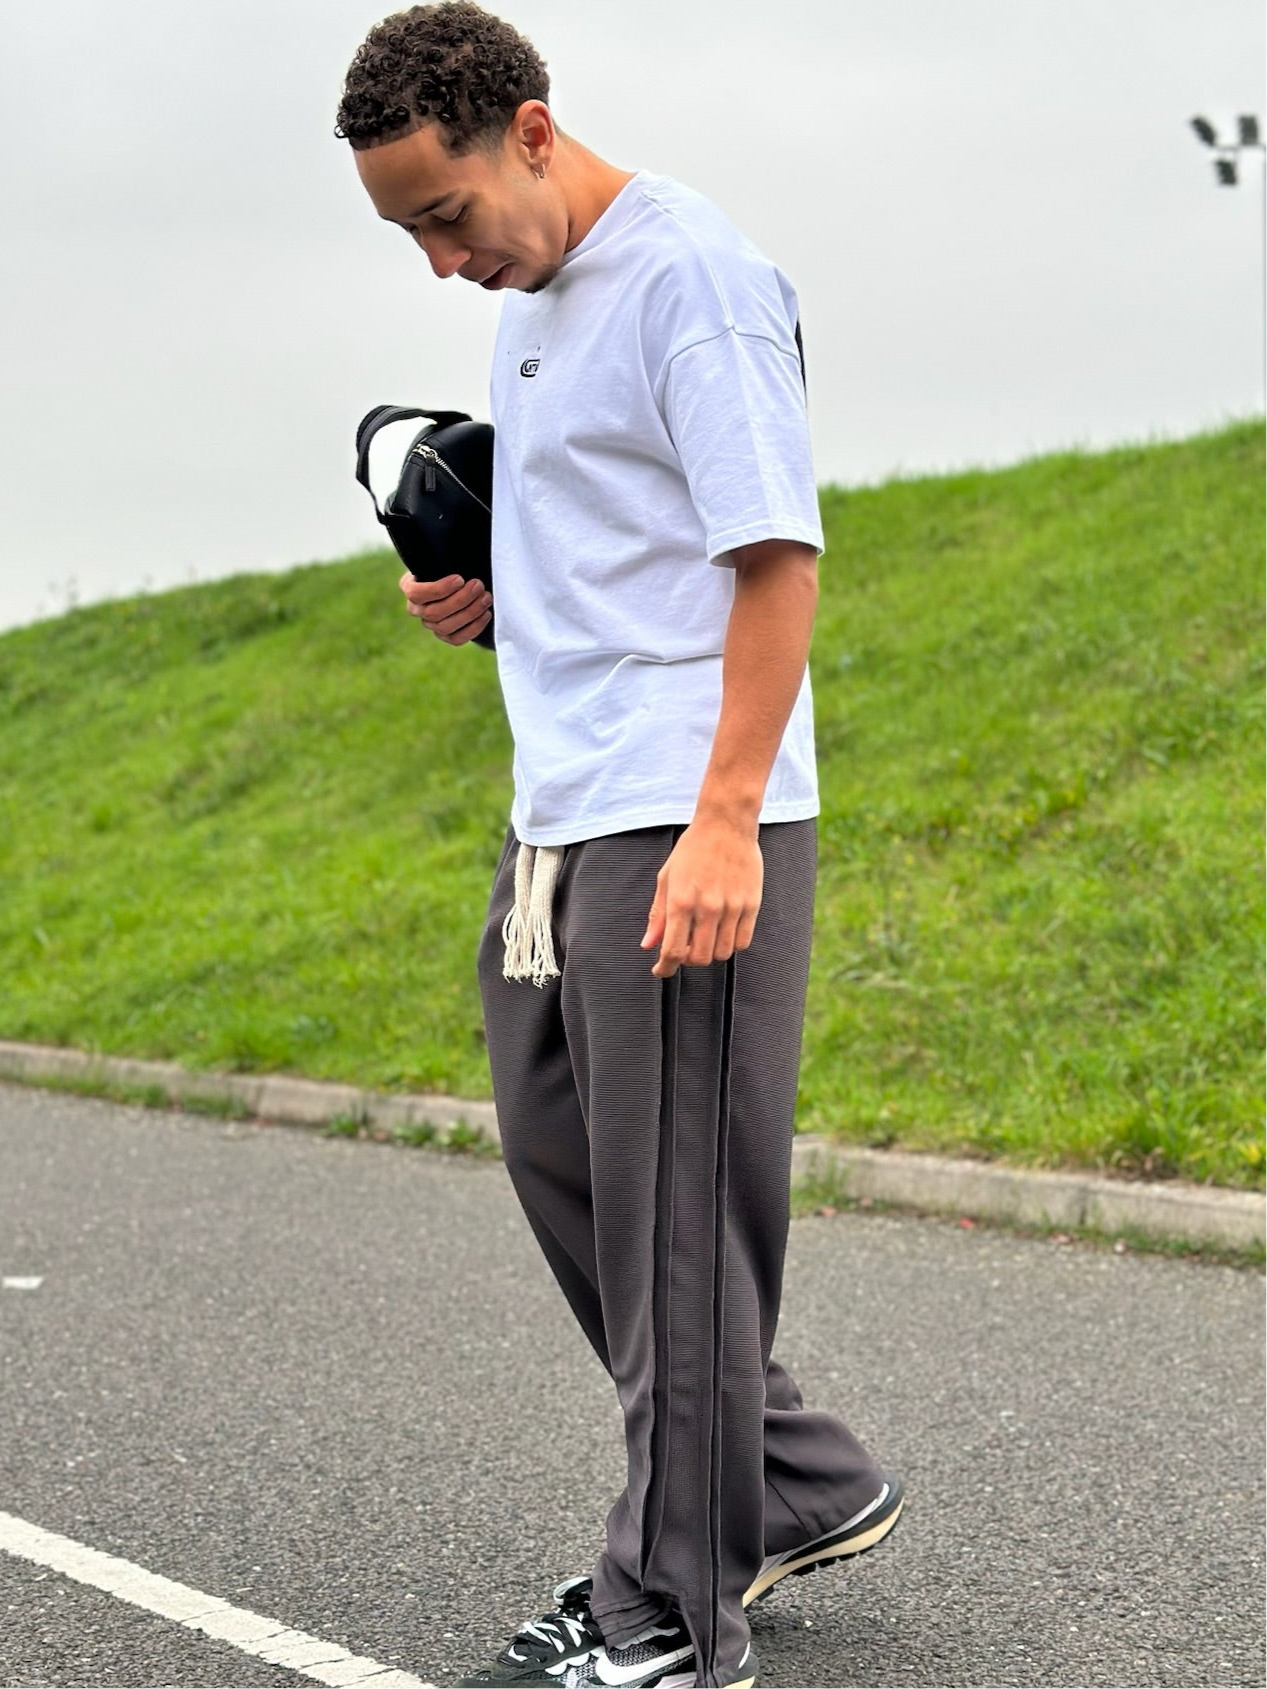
(649,414)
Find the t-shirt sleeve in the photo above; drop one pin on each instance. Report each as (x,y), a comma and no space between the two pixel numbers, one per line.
(734,406)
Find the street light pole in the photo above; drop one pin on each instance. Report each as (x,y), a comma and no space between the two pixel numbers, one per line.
(1225,168)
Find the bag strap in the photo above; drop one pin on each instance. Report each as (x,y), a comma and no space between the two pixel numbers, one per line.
(378,418)
(800,352)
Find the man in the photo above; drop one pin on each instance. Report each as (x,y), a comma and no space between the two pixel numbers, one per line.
(655,543)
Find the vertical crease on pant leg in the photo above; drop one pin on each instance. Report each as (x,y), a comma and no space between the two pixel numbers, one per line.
(719,1299)
(661,1260)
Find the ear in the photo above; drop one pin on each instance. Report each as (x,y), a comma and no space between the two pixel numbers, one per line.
(532,127)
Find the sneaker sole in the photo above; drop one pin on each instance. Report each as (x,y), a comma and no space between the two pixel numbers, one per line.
(828,1553)
(750,1659)
(688,1678)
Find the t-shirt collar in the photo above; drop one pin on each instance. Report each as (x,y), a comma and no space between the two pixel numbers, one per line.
(611,219)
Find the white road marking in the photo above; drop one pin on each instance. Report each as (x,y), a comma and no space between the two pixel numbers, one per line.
(266,1639)
(21,1283)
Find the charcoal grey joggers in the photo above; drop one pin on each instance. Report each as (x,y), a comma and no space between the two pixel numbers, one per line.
(646,1126)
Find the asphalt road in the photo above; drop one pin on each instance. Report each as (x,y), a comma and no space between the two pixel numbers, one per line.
(335,1383)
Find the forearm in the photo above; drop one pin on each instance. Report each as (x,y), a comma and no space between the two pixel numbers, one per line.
(763,663)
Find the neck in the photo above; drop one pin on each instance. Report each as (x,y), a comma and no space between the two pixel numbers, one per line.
(588,185)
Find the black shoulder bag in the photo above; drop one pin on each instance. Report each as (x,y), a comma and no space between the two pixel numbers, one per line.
(439,515)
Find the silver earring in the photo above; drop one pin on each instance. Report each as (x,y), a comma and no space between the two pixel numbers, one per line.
(540,175)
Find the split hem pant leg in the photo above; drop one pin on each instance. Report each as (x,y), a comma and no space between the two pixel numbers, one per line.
(647,1128)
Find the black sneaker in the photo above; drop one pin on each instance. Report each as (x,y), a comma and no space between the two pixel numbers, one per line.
(564,1648)
(864,1530)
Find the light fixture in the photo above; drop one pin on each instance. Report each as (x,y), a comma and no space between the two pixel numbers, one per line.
(1225,161)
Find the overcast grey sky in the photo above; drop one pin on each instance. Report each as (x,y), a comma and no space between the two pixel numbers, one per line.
(1004,236)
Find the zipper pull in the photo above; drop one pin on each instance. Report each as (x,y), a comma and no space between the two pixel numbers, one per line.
(427,454)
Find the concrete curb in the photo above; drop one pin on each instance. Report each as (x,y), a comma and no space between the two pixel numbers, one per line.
(1197,1214)
(1174,1211)
(269,1096)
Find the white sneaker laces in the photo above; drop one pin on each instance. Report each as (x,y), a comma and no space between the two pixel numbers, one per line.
(551,1629)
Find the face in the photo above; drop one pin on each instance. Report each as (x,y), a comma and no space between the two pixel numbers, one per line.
(480,217)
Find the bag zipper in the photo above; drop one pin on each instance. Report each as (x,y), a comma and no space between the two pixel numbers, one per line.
(431,457)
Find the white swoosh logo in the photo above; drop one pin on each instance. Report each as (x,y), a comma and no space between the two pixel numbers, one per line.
(606,1672)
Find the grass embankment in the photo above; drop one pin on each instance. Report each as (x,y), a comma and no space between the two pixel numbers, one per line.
(251,823)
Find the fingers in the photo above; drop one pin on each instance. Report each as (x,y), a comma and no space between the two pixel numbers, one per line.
(469,629)
(675,950)
(696,935)
(425,592)
(475,627)
(726,942)
(744,931)
(655,929)
(702,934)
(454,610)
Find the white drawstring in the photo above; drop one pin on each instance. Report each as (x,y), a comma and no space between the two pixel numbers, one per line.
(526,929)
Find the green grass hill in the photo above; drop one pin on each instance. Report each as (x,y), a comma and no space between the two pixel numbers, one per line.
(251,823)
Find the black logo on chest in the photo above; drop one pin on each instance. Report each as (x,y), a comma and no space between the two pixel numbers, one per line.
(530,366)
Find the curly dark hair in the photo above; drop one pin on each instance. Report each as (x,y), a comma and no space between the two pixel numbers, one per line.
(454,64)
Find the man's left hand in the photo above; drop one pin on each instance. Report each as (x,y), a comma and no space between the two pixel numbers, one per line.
(707,896)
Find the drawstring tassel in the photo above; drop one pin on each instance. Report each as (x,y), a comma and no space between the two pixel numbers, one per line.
(526,929)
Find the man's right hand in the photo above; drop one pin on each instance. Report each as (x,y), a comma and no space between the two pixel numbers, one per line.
(454,611)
